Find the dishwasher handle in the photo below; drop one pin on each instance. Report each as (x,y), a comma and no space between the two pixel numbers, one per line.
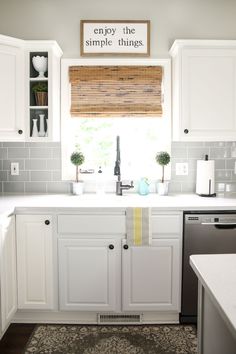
(221,225)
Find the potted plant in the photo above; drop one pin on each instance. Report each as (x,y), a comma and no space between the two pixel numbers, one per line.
(162,158)
(40,90)
(77,158)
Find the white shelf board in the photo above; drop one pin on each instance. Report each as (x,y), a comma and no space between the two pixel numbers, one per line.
(38,79)
(38,107)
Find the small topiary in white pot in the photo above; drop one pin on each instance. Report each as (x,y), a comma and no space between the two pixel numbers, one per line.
(162,158)
(77,158)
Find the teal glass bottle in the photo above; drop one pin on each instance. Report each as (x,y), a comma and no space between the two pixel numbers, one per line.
(143,187)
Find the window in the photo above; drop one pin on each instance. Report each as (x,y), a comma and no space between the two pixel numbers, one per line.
(140,138)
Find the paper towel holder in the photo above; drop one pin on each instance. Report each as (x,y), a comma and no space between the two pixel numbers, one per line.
(205,184)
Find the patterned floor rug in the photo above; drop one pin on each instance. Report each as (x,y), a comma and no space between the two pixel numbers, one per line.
(149,339)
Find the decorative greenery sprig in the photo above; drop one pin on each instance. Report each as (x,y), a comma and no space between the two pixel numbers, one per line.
(162,158)
(40,87)
(77,158)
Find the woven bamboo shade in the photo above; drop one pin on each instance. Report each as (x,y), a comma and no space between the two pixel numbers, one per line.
(112,91)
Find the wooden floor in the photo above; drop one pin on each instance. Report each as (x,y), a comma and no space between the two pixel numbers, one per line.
(15,339)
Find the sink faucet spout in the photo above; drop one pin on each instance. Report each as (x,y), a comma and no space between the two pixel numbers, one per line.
(119,186)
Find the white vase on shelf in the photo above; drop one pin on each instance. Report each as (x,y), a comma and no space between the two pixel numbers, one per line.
(46,129)
(40,63)
(41,125)
(35,132)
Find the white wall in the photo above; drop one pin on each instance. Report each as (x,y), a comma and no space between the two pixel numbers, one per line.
(170,19)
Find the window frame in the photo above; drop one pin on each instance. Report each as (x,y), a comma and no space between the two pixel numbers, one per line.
(66,98)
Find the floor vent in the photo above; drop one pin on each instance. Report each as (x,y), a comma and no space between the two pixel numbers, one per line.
(119,319)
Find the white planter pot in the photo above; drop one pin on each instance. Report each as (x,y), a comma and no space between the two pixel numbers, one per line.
(163,188)
(77,188)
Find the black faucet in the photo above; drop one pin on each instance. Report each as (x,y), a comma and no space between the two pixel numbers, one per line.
(119,186)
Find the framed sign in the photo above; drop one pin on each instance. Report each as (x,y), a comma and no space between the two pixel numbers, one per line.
(114,38)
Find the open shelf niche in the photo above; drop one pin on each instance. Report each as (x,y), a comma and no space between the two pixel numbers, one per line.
(43,108)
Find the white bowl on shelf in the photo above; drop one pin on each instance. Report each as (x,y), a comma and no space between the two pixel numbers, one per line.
(40,63)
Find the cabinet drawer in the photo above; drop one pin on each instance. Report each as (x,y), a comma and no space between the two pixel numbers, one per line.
(91,224)
(167,225)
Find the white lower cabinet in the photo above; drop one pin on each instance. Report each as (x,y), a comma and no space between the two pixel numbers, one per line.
(88,279)
(87,268)
(150,276)
(35,262)
(8,272)
(98,272)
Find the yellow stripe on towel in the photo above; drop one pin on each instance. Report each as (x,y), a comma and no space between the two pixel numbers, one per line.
(137,226)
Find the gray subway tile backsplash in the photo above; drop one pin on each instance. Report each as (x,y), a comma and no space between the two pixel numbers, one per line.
(41,176)
(18,152)
(229,164)
(58,187)
(175,187)
(224,154)
(23,176)
(42,145)
(3,176)
(219,153)
(223,175)
(220,164)
(40,166)
(36,187)
(13,187)
(179,152)
(6,164)
(198,152)
(56,153)
(56,175)
(36,164)
(39,152)
(13,144)
(3,153)
(54,164)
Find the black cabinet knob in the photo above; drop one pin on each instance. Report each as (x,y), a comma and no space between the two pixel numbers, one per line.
(111,247)
(125,247)
(186,131)
(20,131)
(47,222)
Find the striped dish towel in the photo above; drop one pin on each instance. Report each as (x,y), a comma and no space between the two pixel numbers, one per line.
(138,226)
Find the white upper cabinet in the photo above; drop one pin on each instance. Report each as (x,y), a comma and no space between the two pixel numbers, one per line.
(12,99)
(19,109)
(204,90)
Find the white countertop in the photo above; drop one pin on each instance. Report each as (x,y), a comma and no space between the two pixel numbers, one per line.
(11,203)
(217,273)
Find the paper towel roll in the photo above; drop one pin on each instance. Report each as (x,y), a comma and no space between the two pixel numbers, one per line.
(205,184)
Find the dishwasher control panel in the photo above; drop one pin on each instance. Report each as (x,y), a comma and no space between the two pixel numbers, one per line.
(210,218)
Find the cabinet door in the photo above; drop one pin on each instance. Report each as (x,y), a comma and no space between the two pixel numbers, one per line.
(150,276)
(8,273)
(208,102)
(34,261)
(11,93)
(88,272)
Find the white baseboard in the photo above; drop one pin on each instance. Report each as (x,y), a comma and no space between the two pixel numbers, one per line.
(73,317)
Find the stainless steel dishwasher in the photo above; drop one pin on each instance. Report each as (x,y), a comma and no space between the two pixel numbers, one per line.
(204,233)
